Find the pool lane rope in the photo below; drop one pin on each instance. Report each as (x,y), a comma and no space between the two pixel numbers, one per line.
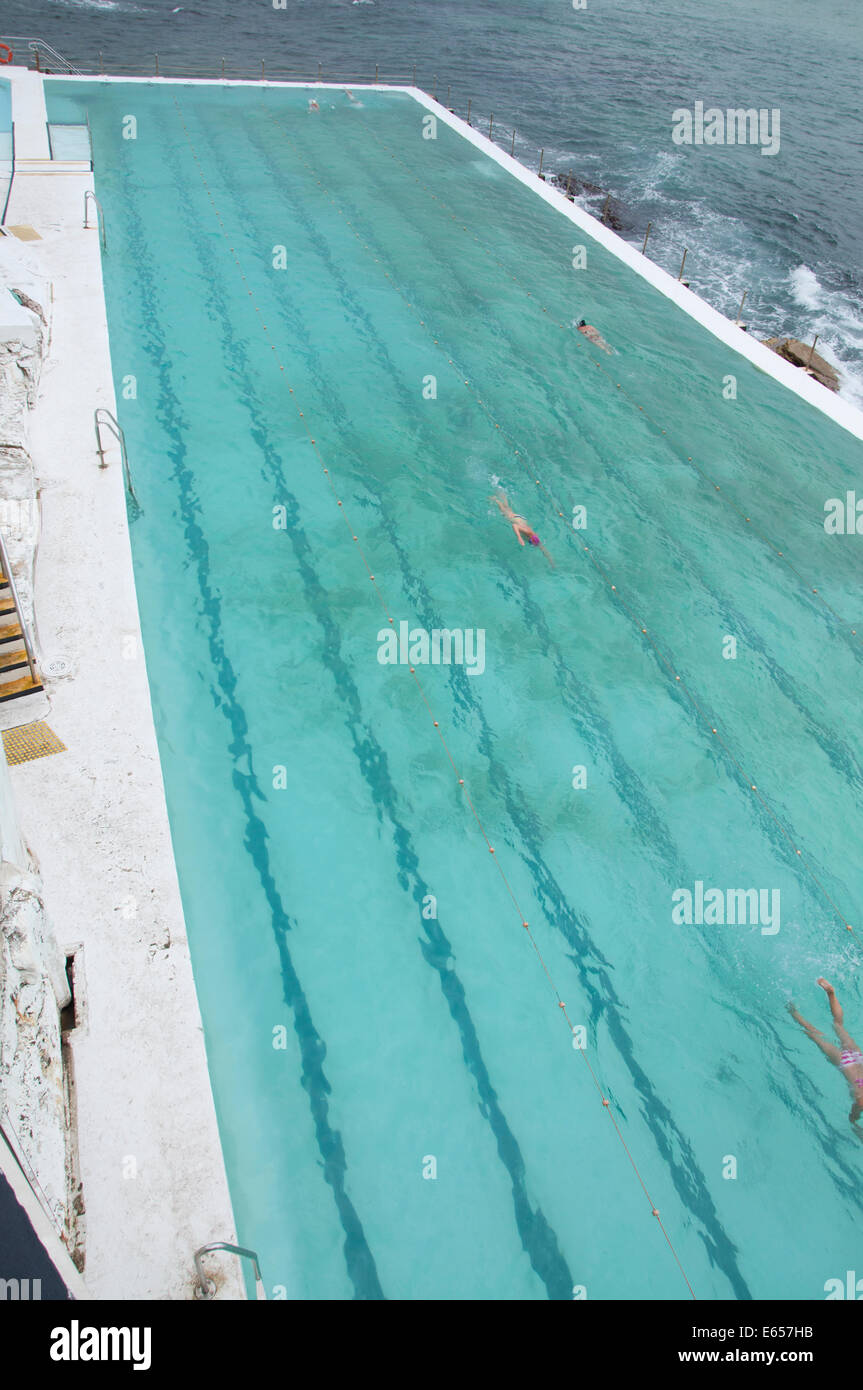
(677,446)
(598,566)
(561,1005)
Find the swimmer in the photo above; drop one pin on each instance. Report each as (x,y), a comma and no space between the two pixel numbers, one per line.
(521,527)
(847,1057)
(593,335)
(350,96)
(313,105)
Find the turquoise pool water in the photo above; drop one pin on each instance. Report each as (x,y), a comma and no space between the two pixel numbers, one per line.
(67,123)
(409,1037)
(5,140)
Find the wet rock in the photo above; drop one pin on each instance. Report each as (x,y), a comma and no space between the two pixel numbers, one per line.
(613,213)
(801,355)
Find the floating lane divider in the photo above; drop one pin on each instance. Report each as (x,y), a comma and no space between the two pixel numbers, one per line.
(600,569)
(675,443)
(436,724)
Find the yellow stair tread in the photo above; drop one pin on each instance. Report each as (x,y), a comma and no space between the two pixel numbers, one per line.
(19,687)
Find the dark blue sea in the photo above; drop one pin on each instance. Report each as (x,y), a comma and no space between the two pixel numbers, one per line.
(595,88)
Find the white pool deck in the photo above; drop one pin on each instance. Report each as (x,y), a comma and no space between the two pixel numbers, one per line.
(96,815)
(151,1165)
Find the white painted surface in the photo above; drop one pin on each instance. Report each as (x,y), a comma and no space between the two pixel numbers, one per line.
(28,114)
(96,818)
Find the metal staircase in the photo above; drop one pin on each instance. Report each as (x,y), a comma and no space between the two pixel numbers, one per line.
(18,672)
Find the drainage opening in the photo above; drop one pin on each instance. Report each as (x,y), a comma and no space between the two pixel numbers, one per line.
(68,1016)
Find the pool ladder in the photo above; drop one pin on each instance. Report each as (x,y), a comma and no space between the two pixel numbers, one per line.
(100,216)
(103,418)
(205,1288)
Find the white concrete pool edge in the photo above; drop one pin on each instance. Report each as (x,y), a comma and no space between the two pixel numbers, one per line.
(151,1164)
(842,412)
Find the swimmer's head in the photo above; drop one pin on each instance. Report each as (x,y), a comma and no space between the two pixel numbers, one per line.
(534,538)
(582,323)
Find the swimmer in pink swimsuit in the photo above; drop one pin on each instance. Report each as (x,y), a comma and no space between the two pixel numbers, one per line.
(848,1057)
(521,527)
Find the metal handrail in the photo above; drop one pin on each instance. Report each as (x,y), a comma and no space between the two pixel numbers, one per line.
(103,416)
(37,46)
(11,181)
(100,216)
(7,572)
(206,1288)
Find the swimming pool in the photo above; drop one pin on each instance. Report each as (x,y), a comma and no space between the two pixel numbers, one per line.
(402,1110)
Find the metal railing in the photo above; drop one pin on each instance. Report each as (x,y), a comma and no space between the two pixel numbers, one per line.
(101,417)
(13,592)
(100,216)
(250,70)
(206,1288)
(39,48)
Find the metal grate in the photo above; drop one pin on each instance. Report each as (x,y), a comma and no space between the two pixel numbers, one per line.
(30,741)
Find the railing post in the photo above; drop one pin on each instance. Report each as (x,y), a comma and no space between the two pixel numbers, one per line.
(376,74)
(263,71)
(490,124)
(605,207)
(319,72)
(101,64)
(742,302)
(541,158)
(683,263)
(415,74)
(156,56)
(811,351)
(448,97)
(512,146)
(646,235)
(468,113)
(223,69)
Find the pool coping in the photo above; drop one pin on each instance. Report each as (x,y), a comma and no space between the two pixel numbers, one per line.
(149,1149)
(841,412)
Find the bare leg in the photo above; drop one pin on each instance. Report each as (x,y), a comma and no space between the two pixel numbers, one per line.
(830,1050)
(837,1015)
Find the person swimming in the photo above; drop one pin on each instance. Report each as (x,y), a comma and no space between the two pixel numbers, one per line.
(523,529)
(847,1057)
(313,105)
(592,334)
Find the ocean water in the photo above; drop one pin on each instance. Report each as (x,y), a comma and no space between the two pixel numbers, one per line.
(596,88)
(402,1110)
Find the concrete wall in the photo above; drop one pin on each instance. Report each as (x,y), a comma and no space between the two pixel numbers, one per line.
(33,984)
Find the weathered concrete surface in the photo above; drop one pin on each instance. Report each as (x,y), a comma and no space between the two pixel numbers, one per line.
(33,985)
(150,1159)
(33,990)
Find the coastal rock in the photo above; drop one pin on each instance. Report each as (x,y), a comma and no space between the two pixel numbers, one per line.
(613,215)
(799,355)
